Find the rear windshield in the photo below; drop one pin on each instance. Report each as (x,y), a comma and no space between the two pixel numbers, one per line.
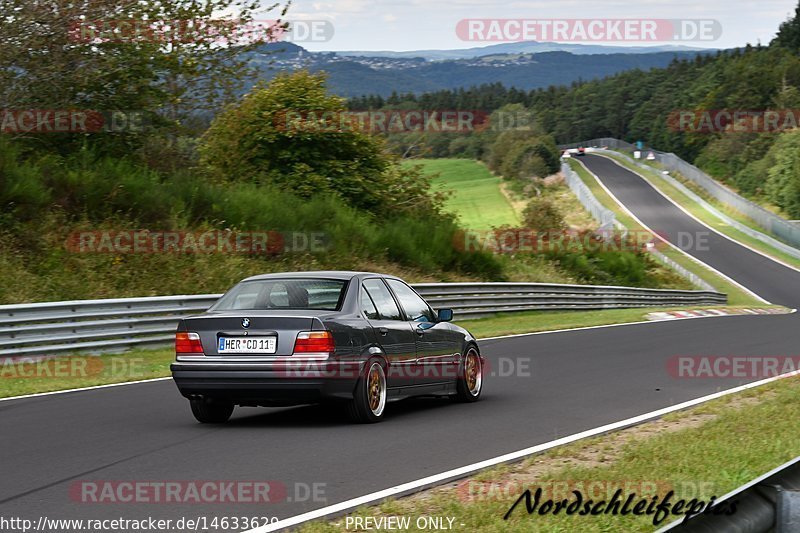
(322,294)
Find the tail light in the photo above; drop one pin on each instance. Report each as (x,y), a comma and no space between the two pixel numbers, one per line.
(314,342)
(188,342)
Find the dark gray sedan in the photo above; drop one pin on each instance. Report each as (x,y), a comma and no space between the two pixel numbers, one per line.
(286,339)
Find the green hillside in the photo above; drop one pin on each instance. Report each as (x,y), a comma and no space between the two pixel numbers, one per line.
(476,197)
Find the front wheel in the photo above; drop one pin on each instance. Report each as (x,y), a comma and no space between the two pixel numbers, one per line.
(211,412)
(470,379)
(369,398)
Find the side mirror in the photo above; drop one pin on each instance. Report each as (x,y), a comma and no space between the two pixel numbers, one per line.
(445,315)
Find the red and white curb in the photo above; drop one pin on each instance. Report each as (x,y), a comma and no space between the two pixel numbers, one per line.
(675,315)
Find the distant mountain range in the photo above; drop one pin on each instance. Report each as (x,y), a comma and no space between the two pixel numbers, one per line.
(526,47)
(527,65)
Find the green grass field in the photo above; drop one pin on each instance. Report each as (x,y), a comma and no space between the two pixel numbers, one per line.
(476,199)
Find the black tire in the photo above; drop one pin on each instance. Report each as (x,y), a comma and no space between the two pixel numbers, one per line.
(369,398)
(211,412)
(469,384)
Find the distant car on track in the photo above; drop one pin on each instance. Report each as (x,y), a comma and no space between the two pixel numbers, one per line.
(360,338)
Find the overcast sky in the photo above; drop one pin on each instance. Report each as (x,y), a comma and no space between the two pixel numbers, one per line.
(431,24)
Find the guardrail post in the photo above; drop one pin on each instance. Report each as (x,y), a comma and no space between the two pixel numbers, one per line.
(787,519)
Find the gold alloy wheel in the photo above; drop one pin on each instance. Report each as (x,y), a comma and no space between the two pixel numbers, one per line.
(376,389)
(472,372)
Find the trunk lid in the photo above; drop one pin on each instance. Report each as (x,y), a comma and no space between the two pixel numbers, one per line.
(282,325)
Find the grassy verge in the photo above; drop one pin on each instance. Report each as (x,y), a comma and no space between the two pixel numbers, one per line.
(708,218)
(476,199)
(482,200)
(76,371)
(536,321)
(736,296)
(698,453)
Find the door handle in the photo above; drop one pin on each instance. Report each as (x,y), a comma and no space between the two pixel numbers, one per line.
(419,330)
(383,331)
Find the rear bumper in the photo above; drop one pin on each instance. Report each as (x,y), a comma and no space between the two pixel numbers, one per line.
(267,383)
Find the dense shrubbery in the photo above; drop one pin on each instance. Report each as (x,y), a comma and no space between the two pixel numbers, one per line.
(249,172)
(255,175)
(606,268)
(541,214)
(90,191)
(276,135)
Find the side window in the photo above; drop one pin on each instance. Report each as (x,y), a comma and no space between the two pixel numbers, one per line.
(414,306)
(368,306)
(387,309)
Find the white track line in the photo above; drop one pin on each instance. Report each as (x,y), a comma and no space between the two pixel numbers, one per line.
(659,237)
(108,386)
(679,206)
(415,486)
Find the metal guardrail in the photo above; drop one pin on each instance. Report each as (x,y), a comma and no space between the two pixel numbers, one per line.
(107,326)
(696,280)
(784,229)
(609,142)
(605,217)
(770,503)
(747,230)
(101,326)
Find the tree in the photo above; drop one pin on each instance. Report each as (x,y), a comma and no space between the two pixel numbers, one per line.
(293,134)
(789,32)
(783,184)
(169,59)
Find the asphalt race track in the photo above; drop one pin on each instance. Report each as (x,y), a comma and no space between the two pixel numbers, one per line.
(577,380)
(768,279)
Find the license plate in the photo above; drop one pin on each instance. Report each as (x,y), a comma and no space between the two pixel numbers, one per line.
(265,345)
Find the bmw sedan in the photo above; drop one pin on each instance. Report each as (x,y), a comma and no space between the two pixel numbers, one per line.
(359,338)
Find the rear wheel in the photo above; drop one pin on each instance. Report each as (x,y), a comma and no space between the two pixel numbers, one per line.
(470,381)
(210,411)
(369,398)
